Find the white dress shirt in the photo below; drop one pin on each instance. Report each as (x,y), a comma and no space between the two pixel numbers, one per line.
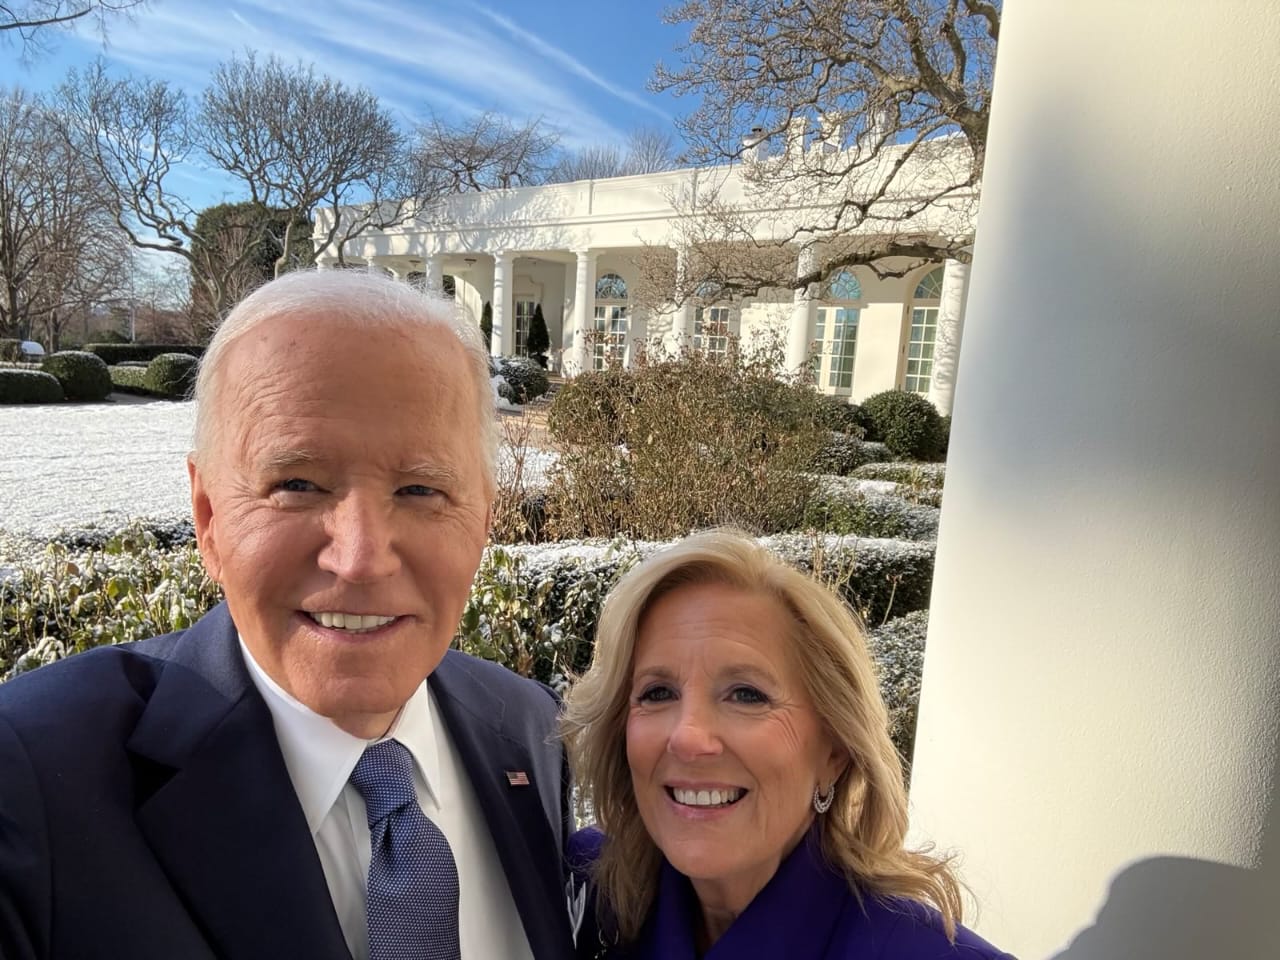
(320,757)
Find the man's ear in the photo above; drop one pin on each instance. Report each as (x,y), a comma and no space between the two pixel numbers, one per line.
(202,515)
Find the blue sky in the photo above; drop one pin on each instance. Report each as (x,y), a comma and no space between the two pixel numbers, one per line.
(581,65)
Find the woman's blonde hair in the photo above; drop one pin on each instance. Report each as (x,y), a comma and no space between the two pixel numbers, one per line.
(862,834)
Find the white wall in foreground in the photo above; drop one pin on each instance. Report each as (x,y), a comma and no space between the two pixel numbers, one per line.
(1098,730)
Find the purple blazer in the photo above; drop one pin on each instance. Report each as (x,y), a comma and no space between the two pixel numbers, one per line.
(807,911)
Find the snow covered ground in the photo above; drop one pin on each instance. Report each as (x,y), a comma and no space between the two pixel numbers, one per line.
(66,466)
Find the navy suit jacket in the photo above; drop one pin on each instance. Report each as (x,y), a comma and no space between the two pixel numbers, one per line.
(806,911)
(146,811)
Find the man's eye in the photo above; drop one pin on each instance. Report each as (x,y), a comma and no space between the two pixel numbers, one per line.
(658,693)
(748,695)
(418,490)
(296,485)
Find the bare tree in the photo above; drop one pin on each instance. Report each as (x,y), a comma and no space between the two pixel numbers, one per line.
(31,20)
(59,248)
(650,150)
(647,151)
(485,152)
(300,141)
(865,122)
(134,133)
(594,162)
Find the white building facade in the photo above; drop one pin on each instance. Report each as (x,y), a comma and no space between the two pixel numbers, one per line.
(576,251)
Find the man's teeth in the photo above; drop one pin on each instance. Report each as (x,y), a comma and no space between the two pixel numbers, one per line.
(355,622)
(706,798)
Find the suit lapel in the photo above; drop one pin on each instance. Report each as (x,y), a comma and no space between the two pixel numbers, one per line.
(218,808)
(516,816)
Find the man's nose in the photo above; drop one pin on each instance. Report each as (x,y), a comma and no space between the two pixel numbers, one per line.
(361,540)
(695,734)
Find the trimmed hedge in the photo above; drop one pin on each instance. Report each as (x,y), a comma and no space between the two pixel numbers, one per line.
(114,353)
(897,649)
(912,474)
(83,375)
(854,507)
(130,379)
(172,375)
(844,453)
(533,608)
(29,386)
(907,423)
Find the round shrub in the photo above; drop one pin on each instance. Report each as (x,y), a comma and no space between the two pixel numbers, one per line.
(83,375)
(906,423)
(172,375)
(835,413)
(527,378)
(29,386)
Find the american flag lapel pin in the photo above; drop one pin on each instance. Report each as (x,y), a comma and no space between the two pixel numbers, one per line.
(517,778)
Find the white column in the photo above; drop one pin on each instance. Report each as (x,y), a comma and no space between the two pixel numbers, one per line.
(946,346)
(1098,731)
(433,268)
(583,313)
(802,313)
(682,322)
(502,342)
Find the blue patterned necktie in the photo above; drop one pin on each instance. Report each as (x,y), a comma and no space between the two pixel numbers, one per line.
(413,880)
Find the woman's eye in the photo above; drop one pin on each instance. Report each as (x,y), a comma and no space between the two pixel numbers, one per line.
(748,695)
(658,693)
(296,485)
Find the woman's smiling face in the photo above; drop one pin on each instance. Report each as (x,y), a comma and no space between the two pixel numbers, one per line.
(723,742)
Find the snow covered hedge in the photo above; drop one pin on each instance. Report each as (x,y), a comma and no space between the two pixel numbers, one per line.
(533,608)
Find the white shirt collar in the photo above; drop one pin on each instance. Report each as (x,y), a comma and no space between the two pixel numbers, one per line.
(320,755)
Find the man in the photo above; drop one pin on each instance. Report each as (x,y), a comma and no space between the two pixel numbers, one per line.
(224,791)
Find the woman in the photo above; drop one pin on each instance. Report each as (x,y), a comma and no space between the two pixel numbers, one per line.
(731,740)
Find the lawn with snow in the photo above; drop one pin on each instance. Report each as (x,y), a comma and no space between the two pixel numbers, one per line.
(70,466)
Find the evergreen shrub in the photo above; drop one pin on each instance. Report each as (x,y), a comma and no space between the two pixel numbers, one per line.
(10,350)
(83,375)
(29,386)
(837,414)
(907,423)
(172,375)
(526,376)
(539,340)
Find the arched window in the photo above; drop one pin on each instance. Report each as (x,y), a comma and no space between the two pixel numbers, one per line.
(844,286)
(611,287)
(609,345)
(930,286)
(836,334)
(924,332)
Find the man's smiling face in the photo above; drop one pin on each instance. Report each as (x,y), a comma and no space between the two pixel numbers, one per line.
(343,506)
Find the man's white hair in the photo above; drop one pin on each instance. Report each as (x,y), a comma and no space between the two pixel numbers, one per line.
(361,299)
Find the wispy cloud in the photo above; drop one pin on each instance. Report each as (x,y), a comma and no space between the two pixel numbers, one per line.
(458,59)
(577,67)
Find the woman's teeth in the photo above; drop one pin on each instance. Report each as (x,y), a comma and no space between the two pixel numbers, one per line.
(706,798)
